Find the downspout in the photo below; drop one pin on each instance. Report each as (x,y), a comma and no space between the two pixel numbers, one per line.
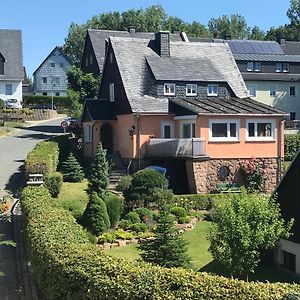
(139,139)
(280,140)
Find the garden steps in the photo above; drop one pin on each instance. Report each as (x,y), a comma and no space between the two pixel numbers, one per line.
(114,178)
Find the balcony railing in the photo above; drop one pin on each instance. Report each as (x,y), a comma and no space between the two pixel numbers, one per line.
(176,147)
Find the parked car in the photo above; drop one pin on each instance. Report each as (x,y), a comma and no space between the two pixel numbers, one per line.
(13,103)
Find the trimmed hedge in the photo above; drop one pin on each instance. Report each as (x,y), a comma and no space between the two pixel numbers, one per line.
(291,145)
(60,102)
(53,183)
(59,248)
(194,201)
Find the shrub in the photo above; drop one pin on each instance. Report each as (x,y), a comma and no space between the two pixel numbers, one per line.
(53,183)
(2,104)
(139,227)
(115,206)
(95,217)
(99,177)
(178,211)
(107,237)
(184,220)
(124,183)
(123,235)
(144,213)
(72,170)
(60,102)
(143,187)
(193,201)
(291,145)
(133,217)
(124,224)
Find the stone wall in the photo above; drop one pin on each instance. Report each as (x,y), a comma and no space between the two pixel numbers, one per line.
(203,176)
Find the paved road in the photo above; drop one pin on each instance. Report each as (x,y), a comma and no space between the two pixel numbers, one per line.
(13,151)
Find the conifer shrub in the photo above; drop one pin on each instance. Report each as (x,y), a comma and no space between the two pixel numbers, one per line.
(133,217)
(53,183)
(99,176)
(95,217)
(115,206)
(72,170)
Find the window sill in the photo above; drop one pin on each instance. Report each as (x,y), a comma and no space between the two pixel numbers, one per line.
(224,141)
(212,95)
(260,140)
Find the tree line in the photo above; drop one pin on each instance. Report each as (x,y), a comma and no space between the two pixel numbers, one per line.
(154,18)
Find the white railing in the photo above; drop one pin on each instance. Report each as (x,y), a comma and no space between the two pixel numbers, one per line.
(176,147)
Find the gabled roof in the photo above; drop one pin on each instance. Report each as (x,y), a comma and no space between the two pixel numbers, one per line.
(184,69)
(231,106)
(56,48)
(11,49)
(132,56)
(267,57)
(98,38)
(96,109)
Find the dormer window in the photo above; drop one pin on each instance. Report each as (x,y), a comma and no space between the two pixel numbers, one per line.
(253,66)
(212,90)
(191,90)
(282,67)
(169,89)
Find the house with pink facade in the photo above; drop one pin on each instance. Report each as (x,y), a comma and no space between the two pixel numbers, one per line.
(184,106)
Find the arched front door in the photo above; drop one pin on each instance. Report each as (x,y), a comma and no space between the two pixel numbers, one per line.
(106,137)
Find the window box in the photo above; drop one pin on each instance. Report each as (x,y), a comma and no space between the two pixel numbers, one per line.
(260,130)
(169,89)
(224,130)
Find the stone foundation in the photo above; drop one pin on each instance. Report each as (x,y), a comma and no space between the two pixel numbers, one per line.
(203,175)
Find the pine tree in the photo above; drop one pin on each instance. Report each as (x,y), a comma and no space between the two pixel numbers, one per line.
(99,178)
(168,249)
(95,217)
(72,170)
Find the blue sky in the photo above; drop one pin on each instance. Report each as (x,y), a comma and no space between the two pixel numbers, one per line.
(45,24)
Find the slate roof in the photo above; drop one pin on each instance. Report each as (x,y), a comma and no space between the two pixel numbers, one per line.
(132,56)
(97,109)
(184,69)
(12,51)
(290,47)
(271,76)
(98,38)
(267,57)
(230,106)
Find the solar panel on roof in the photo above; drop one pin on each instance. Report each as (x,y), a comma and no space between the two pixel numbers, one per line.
(255,47)
(276,49)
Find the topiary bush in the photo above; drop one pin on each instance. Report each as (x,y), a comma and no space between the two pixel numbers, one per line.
(53,183)
(72,170)
(115,206)
(95,217)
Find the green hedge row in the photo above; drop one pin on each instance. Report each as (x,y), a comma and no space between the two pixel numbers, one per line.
(291,145)
(67,266)
(58,101)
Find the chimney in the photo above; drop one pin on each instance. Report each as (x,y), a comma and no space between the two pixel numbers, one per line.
(282,42)
(131,29)
(162,39)
(228,37)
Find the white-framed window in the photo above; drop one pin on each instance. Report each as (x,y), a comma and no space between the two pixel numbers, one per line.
(224,130)
(273,90)
(112,92)
(191,89)
(8,89)
(169,89)
(250,66)
(257,66)
(87,133)
(167,130)
(251,90)
(212,90)
(263,129)
(292,90)
(282,67)
(187,126)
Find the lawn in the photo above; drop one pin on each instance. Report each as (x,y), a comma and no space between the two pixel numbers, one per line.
(201,259)
(73,197)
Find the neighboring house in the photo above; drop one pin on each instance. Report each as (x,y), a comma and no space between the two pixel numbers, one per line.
(50,78)
(26,85)
(97,40)
(11,64)
(287,194)
(182,105)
